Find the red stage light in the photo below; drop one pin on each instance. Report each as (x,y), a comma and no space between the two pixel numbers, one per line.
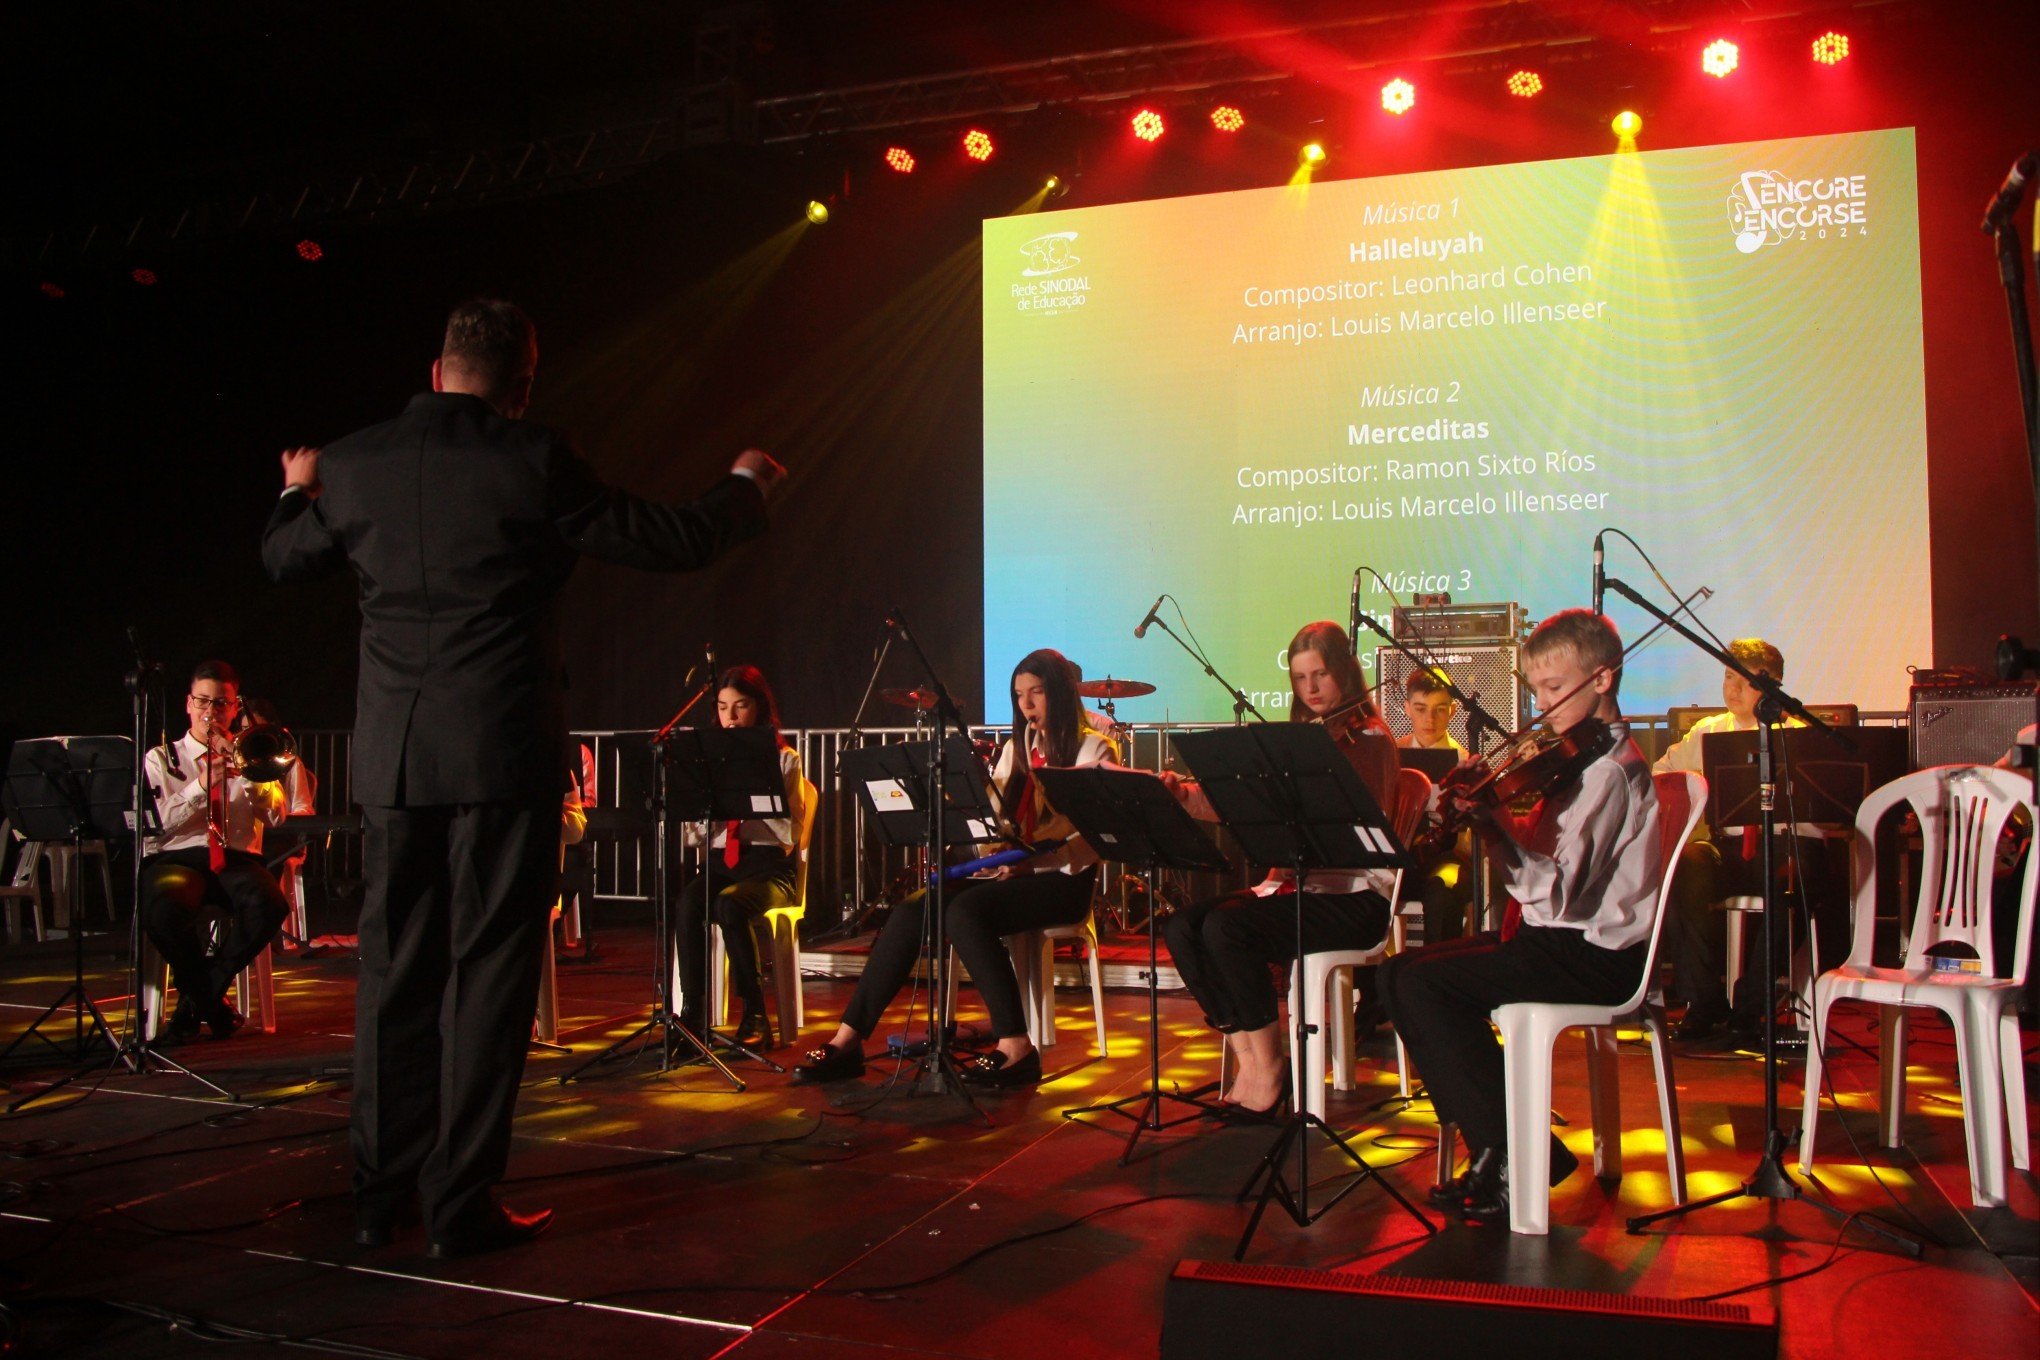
(1147,125)
(1398,96)
(145,277)
(309,250)
(977,145)
(1830,48)
(52,290)
(1525,84)
(1720,57)
(900,159)
(1226,118)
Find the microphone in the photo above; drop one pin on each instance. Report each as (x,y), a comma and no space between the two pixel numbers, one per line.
(708,650)
(1353,613)
(1153,610)
(1599,579)
(2006,201)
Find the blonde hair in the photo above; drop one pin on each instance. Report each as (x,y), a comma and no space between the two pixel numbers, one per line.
(1759,655)
(1587,636)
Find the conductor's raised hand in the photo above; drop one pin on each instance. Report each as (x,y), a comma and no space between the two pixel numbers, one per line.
(761,467)
(301,469)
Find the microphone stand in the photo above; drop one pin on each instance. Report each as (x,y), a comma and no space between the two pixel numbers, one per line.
(1770,1179)
(2011,272)
(939,1073)
(854,920)
(1241,704)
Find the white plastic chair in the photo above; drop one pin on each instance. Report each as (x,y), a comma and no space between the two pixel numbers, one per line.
(1033,956)
(1962,809)
(1322,982)
(783,924)
(1530,1030)
(24,889)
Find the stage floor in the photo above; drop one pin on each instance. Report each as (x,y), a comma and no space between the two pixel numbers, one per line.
(862,1220)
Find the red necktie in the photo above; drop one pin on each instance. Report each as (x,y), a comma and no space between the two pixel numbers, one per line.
(215,817)
(1749,842)
(732,848)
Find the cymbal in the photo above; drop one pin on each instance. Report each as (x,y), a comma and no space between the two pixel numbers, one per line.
(909,698)
(1108,688)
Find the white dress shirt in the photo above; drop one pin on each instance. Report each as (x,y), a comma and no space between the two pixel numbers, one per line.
(177,778)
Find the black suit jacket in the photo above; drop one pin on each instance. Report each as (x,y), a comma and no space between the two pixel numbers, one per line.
(462,527)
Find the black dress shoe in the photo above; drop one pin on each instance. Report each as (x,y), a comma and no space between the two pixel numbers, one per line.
(754,1026)
(184,1023)
(1487,1187)
(829,1063)
(1449,1194)
(995,1071)
(505,1229)
(374,1233)
(222,1019)
(1700,1023)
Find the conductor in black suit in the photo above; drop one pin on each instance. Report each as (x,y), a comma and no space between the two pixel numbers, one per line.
(462,522)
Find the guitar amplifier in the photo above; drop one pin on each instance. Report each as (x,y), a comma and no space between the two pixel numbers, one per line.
(1435,623)
(1490,673)
(1969,724)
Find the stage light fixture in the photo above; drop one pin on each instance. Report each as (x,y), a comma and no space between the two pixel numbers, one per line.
(1830,47)
(1398,96)
(1147,125)
(977,145)
(145,277)
(1052,183)
(817,211)
(1313,153)
(1626,125)
(309,250)
(1525,84)
(1720,57)
(900,159)
(52,290)
(1226,118)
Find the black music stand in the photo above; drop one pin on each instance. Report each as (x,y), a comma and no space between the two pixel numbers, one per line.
(722,774)
(895,786)
(1132,817)
(1287,793)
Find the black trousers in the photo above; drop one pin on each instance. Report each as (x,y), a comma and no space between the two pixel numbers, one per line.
(178,886)
(1223,947)
(762,880)
(453,929)
(979,915)
(1696,934)
(1439,997)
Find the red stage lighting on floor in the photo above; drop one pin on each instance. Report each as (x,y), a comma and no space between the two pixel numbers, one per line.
(900,159)
(1830,48)
(1525,84)
(1720,57)
(1226,118)
(1147,125)
(52,290)
(309,250)
(977,145)
(145,277)
(1398,96)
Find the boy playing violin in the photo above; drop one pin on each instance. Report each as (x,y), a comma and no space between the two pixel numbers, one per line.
(1582,869)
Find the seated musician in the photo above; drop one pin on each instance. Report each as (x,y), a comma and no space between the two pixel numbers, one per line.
(751,866)
(1052,888)
(208,857)
(1812,867)
(1583,868)
(1223,948)
(1447,887)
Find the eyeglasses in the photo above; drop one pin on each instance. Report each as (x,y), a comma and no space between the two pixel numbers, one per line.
(226,705)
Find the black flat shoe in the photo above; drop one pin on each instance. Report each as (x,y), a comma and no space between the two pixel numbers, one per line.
(505,1229)
(829,1063)
(1699,1025)
(994,1071)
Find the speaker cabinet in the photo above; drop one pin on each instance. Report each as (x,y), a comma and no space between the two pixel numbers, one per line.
(1487,671)
(1220,1311)
(1969,724)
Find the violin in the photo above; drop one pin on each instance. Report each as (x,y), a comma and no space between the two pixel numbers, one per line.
(1532,764)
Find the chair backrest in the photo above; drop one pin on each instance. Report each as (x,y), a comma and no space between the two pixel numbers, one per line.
(808,798)
(1962,810)
(1412,796)
(1681,798)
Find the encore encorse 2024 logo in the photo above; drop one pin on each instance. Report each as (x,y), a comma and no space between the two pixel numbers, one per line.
(1765,206)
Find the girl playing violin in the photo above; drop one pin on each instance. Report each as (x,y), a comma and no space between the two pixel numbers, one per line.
(1223,947)
(1053,888)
